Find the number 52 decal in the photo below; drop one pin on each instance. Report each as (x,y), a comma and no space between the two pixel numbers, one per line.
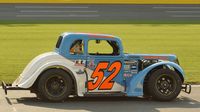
(98,73)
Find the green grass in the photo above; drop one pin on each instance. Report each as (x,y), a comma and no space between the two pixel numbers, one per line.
(19,43)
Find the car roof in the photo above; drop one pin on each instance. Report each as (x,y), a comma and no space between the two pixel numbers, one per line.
(89,35)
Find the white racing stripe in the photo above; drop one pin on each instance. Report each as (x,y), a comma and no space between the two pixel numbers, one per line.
(183,11)
(51,7)
(186,16)
(57,16)
(33,11)
(165,7)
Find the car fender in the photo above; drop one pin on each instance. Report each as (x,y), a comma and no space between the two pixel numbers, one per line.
(135,87)
(43,62)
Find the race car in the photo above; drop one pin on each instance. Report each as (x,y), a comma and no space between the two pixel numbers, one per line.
(86,65)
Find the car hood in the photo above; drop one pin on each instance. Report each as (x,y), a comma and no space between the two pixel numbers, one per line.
(166,57)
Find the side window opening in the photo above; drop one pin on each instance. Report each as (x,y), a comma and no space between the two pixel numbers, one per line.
(103,47)
(76,47)
(59,41)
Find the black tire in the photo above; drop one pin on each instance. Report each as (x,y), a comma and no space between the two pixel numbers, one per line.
(164,85)
(54,85)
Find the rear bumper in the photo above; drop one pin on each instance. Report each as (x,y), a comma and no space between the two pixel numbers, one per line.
(187,88)
(7,87)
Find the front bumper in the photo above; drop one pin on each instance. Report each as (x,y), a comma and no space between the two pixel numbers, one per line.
(187,88)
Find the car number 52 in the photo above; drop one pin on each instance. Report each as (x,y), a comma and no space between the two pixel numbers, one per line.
(98,73)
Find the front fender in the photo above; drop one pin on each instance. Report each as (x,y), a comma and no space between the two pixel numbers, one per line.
(135,87)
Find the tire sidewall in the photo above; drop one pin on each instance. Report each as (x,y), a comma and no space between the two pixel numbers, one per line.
(51,73)
(152,87)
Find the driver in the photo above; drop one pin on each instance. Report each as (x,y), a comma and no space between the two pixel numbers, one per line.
(77,49)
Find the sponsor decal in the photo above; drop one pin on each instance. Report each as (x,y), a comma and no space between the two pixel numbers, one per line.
(80,71)
(79,63)
(126,67)
(133,71)
(127,75)
(91,64)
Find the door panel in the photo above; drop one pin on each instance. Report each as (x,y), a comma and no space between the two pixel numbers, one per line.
(106,75)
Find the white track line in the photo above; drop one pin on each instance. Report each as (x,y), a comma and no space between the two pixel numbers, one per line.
(14,109)
(192,86)
(48,7)
(183,11)
(33,11)
(195,85)
(160,7)
(57,16)
(186,16)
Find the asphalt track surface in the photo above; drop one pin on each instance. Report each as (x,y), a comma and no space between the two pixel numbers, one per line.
(98,12)
(23,101)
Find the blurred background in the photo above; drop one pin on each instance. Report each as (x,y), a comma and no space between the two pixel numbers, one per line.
(29,28)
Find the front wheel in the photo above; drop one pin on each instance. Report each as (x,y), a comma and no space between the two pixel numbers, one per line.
(164,85)
(54,85)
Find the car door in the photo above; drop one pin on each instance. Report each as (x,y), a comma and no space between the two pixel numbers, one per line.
(104,66)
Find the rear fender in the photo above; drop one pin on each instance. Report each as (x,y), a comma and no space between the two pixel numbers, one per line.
(135,87)
(46,61)
(54,64)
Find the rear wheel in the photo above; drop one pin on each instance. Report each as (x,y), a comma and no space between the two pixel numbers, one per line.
(164,85)
(54,85)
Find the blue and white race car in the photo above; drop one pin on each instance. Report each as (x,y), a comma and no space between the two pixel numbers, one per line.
(85,64)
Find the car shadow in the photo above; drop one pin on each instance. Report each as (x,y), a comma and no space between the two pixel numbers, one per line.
(108,104)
